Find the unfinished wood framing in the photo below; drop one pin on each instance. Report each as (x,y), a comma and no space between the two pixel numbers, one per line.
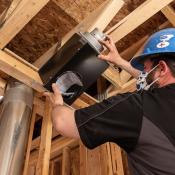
(113,76)
(20,71)
(42,166)
(26,165)
(100,18)
(136,18)
(21,15)
(169,12)
(50,146)
(66,162)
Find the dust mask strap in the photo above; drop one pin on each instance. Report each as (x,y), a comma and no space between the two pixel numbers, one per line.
(141,83)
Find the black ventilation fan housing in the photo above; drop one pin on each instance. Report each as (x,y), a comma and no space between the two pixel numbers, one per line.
(75,66)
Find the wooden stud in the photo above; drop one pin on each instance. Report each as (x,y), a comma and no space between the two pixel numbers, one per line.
(101,89)
(117,161)
(83,159)
(40,106)
(31,170)
(66,162)
(105,159)
(22,14)
(56,149)
(51,171)
(42,167)
(112,75)
(169,13)
(25,172)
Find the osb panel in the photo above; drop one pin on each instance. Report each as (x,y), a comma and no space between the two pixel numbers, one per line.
(128,7)
(54,21)
(44,30)
(148,27)
(78,9)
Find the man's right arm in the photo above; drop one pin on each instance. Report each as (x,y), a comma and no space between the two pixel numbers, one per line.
(114,57)
(63,118)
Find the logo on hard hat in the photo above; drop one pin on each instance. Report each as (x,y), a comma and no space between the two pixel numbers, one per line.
(164,41)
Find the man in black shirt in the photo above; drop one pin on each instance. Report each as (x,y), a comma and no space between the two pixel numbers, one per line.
(142,123)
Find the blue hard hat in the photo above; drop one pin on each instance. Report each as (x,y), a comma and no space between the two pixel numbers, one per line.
(160,43)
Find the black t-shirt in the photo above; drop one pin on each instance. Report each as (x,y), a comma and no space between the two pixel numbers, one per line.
(142,124)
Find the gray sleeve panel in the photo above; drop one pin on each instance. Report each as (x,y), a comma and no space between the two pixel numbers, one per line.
(154,153)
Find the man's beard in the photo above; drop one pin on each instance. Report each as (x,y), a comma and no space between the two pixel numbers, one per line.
(150,79)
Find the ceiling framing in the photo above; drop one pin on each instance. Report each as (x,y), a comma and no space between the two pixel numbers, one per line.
(19,19)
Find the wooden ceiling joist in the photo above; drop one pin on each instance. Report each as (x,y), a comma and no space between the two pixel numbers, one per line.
(99,18)
(136,18)
(21,15)
(7,12)
(20,71)
(113,76)
(169,13)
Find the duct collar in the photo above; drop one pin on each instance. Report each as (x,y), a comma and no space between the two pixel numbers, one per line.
(93,38)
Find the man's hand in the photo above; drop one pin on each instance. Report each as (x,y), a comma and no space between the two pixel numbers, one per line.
(55,97)
(113,56)
(63,118)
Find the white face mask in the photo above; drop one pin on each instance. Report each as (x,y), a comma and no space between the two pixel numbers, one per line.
(142,83)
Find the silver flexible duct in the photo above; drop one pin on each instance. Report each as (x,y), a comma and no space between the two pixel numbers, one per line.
(14,128)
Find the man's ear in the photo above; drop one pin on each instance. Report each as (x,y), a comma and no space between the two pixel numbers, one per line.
(164,69)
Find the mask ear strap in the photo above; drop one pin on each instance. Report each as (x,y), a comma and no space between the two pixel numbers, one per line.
(148,86)
(153,68)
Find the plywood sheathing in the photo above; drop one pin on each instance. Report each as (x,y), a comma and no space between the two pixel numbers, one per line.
(45,29)
(129,6)
(78,9)
(147,28)
(59,17)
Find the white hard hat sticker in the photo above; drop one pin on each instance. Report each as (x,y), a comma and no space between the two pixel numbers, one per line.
(163,44)
(164,41)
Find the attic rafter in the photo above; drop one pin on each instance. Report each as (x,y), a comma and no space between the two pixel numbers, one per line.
(136,18)
(6,14)
(22,14)
(169,13)
(18,70)
(98,18)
